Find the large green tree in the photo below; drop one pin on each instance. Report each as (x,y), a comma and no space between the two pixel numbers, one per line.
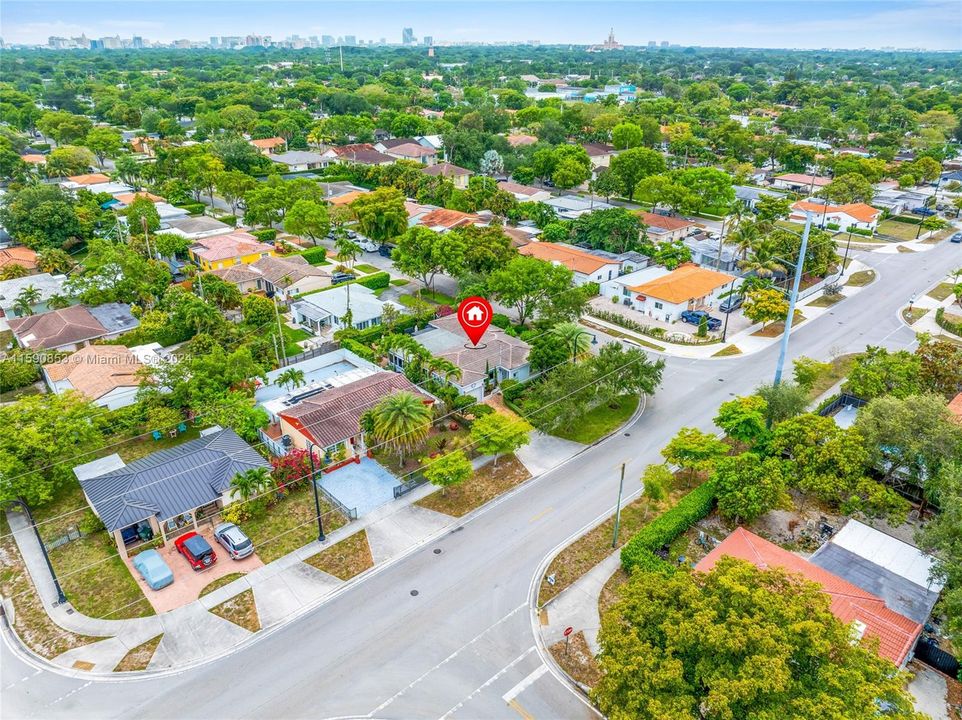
(737,643)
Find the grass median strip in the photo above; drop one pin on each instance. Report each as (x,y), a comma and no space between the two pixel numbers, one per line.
(486,484)
(728,351)
(240,610)
(345,559)
(139,658)
(221,582)
(940,291)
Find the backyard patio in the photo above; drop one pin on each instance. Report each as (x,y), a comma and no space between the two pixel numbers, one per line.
(362,486)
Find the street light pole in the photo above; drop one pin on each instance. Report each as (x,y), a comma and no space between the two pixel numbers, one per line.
(731,299)
(799,268)
(317,500)
(621,487)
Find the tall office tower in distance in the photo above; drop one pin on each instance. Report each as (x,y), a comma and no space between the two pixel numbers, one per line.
(407,36)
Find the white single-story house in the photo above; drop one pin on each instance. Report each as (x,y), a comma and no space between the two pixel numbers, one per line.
(327,309)
(195,228)
(457,175)
(497,356)
(900,201)
(299,160)
(586,265)
(45,284)
(799,182)
(283,277)
(524,193)
(665,294)
(105,374)
(665,228)
(571,207)
(74,327)
(859,215)
(749,195)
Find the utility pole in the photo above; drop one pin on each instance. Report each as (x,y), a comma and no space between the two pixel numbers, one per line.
(280,332)
(799,267)
(317,501)
(621,487)
(277,353)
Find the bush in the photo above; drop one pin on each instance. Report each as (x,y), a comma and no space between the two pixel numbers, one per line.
(18,371)
(194,208)
(639,551)
(833,226)
(229,220)
(362,351)
(953,327)
(860,231)
(591,289)
(377,281)
(501,320)
(268,236)
(315,255)
(90,524)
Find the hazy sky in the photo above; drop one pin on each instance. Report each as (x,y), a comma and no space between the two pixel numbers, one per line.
(934,24)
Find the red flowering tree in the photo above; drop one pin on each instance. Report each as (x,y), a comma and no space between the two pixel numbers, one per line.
(292,469)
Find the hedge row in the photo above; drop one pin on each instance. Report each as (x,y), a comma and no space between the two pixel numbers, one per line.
(639,552)
(268,235)
(315,255)
(362,351)
(953,327)
(194,208)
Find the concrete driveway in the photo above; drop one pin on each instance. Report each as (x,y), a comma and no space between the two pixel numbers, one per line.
(187,582)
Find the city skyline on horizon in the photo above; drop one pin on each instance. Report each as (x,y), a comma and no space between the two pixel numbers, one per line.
(742,23)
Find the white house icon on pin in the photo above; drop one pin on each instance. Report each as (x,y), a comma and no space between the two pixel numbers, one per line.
(475,314)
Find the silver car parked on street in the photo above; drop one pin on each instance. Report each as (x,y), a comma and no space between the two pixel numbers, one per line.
(234,540)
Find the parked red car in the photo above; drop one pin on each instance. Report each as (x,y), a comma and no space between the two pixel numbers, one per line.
(197,550)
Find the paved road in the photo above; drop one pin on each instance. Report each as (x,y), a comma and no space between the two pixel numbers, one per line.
(463,647)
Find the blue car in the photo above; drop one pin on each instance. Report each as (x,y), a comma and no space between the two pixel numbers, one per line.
(153,569)
(693,317)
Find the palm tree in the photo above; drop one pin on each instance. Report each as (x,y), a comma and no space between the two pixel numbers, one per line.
(401,421)
(744,236)
(58,301)
(25,301)
(763,260)
(443,368)
(573,336)
(292,377)
(13,271)
(251,483)
(347,249)
(54,260)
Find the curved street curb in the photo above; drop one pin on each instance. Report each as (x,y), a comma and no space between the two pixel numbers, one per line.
(38,662)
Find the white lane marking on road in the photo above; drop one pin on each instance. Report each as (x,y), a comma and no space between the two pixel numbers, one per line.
(488,682)
(524,684)
(75,690)
(446,660)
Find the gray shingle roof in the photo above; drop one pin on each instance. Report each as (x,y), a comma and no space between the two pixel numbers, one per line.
(171,482)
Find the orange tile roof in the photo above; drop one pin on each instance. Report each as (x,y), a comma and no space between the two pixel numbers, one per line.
(95,370)
(34,159)
(896,633)
(520,140)
(663,221)
(231,245)
(89,179)
(18,256)
(686,282)
(347,198)
(268,143)
(448,218)
(575,260)
(859,211)
(804,179)
(955,407)
(127,198)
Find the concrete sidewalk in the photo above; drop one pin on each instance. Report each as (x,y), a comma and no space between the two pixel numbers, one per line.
(191,633)
(577,605)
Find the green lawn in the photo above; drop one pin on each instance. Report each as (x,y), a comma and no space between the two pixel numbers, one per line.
(292,336)
(140,447)
(94,577)
(400,281)
(437,297)
(900,230)
(365,268)
(597,423)
(940,291)
(289,524)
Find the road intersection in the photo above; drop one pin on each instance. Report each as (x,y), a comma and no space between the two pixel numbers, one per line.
(449,634)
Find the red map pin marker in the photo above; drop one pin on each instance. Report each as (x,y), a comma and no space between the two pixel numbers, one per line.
(474,314)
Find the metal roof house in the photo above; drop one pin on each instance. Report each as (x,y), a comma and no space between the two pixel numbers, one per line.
(169,489)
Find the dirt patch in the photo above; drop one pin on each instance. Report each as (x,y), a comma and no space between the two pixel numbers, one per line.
(954,698)
(914,315)
(240,610)
(486,484)
(611,592)
(139,657)
(33,625)
(824,301)
(345,559)
(777,328)
(576,660)
(903,249)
